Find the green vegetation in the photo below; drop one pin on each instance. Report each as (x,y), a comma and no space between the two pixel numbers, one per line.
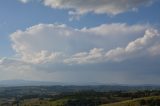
(77,96)
(145,101)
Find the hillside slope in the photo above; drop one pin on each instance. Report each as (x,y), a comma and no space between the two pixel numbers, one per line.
(145,101)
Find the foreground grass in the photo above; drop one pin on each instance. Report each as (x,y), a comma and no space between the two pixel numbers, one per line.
(134,102)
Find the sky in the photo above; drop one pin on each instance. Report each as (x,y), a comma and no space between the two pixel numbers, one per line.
(80,41)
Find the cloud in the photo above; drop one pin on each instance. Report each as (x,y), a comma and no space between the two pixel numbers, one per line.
(146,71)
(94,55)
(62,53)
(24,1)
(13,68)
(54,43)
(80,7)
(155,50)
(138,47)
(38,44)
(98,7)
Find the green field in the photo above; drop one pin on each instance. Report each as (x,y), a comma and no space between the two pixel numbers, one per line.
(145,101)
(37,102)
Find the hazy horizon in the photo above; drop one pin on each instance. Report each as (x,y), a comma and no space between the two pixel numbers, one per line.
(84,41)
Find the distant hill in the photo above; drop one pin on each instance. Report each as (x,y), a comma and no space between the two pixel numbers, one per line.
(81,86)
(9,83)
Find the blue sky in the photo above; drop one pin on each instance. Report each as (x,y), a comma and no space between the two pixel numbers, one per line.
(68,41)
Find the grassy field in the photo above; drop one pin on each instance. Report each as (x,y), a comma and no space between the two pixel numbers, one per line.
(136,102)
(149,101)
(37,102)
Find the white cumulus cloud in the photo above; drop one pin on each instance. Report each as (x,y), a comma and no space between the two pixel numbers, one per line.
(143,46)
(93,56)
(56,43)
(138,47)
(79,7)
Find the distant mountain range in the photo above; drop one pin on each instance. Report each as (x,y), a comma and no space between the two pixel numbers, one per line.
(8,83)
